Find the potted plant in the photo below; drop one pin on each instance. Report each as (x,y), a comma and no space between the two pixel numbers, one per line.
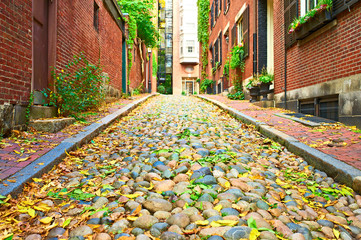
(312,20)
(253,87)
(266,80)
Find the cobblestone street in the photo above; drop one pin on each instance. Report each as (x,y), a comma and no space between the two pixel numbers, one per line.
(180,168)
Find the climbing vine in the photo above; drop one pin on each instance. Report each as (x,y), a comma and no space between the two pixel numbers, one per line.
(203,34)
(140,24)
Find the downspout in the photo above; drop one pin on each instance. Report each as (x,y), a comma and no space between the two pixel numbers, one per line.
(255,39)
(285,83)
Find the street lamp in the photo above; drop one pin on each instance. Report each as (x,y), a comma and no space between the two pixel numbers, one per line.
(149,71)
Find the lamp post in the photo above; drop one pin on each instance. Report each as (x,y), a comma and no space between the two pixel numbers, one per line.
(149,71)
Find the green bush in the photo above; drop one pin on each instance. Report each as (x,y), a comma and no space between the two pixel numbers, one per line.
(79,86)
(184,93)
(237,96)
(161,89)
(237,57)
(205,84)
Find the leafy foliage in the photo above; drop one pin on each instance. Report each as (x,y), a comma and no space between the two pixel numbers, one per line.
(236,96)
(266,77)
(321,6)
(226,68)
(237,57)
(161,89)
(205,84)
(203,32)
(79,86)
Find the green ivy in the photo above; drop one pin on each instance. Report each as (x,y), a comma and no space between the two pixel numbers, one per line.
(139,25)
(205,84)
(203,32)
(154,65)
(237,57)
(31,101)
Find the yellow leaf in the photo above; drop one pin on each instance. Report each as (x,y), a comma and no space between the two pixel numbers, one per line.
(218,207)
(46,220)
(37,180)
(17,152)
(230,223)
(40,164)
(98,192)
(254,234)
(66,222)
(336,233)
(31,212)
(131,218)
(150,187)
(23,159)
(42,207)
(135,195)
(202,223)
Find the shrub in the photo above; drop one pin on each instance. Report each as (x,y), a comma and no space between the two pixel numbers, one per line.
(184,93)
(237,96)
(205,84)
(161,89)
(79,86)
(237,57)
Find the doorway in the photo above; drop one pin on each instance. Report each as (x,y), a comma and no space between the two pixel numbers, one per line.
(40,44)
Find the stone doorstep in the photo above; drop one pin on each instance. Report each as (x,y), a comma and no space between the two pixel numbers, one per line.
(37,112)
(51,125)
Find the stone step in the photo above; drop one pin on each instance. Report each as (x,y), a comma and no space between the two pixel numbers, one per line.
(38,112)
(51,125)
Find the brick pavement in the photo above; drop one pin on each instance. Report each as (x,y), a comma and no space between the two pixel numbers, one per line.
(340,141)
(22,148)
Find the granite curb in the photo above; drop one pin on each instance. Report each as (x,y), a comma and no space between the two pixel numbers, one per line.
(335,168)
(46,162)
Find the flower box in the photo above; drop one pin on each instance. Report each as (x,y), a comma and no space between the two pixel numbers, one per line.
(312,25)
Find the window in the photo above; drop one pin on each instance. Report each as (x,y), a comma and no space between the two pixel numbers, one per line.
(240,31)
(190,46)
(290,13)
(226,4)
(96,17)
(307,5)
(325,107)
(212,15)
(190,49)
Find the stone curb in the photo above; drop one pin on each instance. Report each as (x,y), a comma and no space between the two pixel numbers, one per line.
(335,168)
(46,162)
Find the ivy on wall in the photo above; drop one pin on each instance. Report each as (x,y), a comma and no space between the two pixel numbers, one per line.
(203,34)
(140,24)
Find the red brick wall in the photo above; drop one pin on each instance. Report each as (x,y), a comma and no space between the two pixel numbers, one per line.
(15,50)
(332,55)
(220,25)
(76,33)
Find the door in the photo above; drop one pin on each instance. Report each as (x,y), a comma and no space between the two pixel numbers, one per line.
(40,44)
(189,86)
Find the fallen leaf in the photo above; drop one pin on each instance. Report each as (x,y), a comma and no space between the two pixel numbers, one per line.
(336,233)
(218,207)
(254,234)
(23,159)
(202,223)
(46,220)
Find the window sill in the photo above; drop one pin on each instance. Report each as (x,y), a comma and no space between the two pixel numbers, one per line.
(313,25)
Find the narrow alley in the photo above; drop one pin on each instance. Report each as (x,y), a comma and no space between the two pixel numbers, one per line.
(181,168)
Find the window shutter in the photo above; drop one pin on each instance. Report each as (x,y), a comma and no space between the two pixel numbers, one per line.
(216,50)
(213,60)
(216,10)
(291,12)
(234,35)
(220,6)
(220,48)
(212,15)
(339,6)
(245,33)
(225,6)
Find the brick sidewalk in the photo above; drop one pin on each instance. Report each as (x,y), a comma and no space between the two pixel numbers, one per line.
(339,141)
(23,148)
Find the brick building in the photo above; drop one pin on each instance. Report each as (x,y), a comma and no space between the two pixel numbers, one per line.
(317,68)
(240,21)
(38,35)
(319,65)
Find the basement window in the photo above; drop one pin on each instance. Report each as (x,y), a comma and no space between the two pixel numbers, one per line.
(96,17)
(325,107)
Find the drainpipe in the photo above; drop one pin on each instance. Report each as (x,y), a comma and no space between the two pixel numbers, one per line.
(285,87)
(255,39)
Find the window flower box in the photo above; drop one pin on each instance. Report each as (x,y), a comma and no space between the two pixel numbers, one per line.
(313,24)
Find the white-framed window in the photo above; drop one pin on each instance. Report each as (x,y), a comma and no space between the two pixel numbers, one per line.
(240,31)
(307,5)
(190,46)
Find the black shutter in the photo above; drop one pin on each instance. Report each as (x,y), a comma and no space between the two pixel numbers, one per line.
(291,12)
(339,6)
(220,48)
(245,33)
(213,60)
(225,6)
(220,6)
(234,35)
(212,15)
(216,10)
(216,50)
